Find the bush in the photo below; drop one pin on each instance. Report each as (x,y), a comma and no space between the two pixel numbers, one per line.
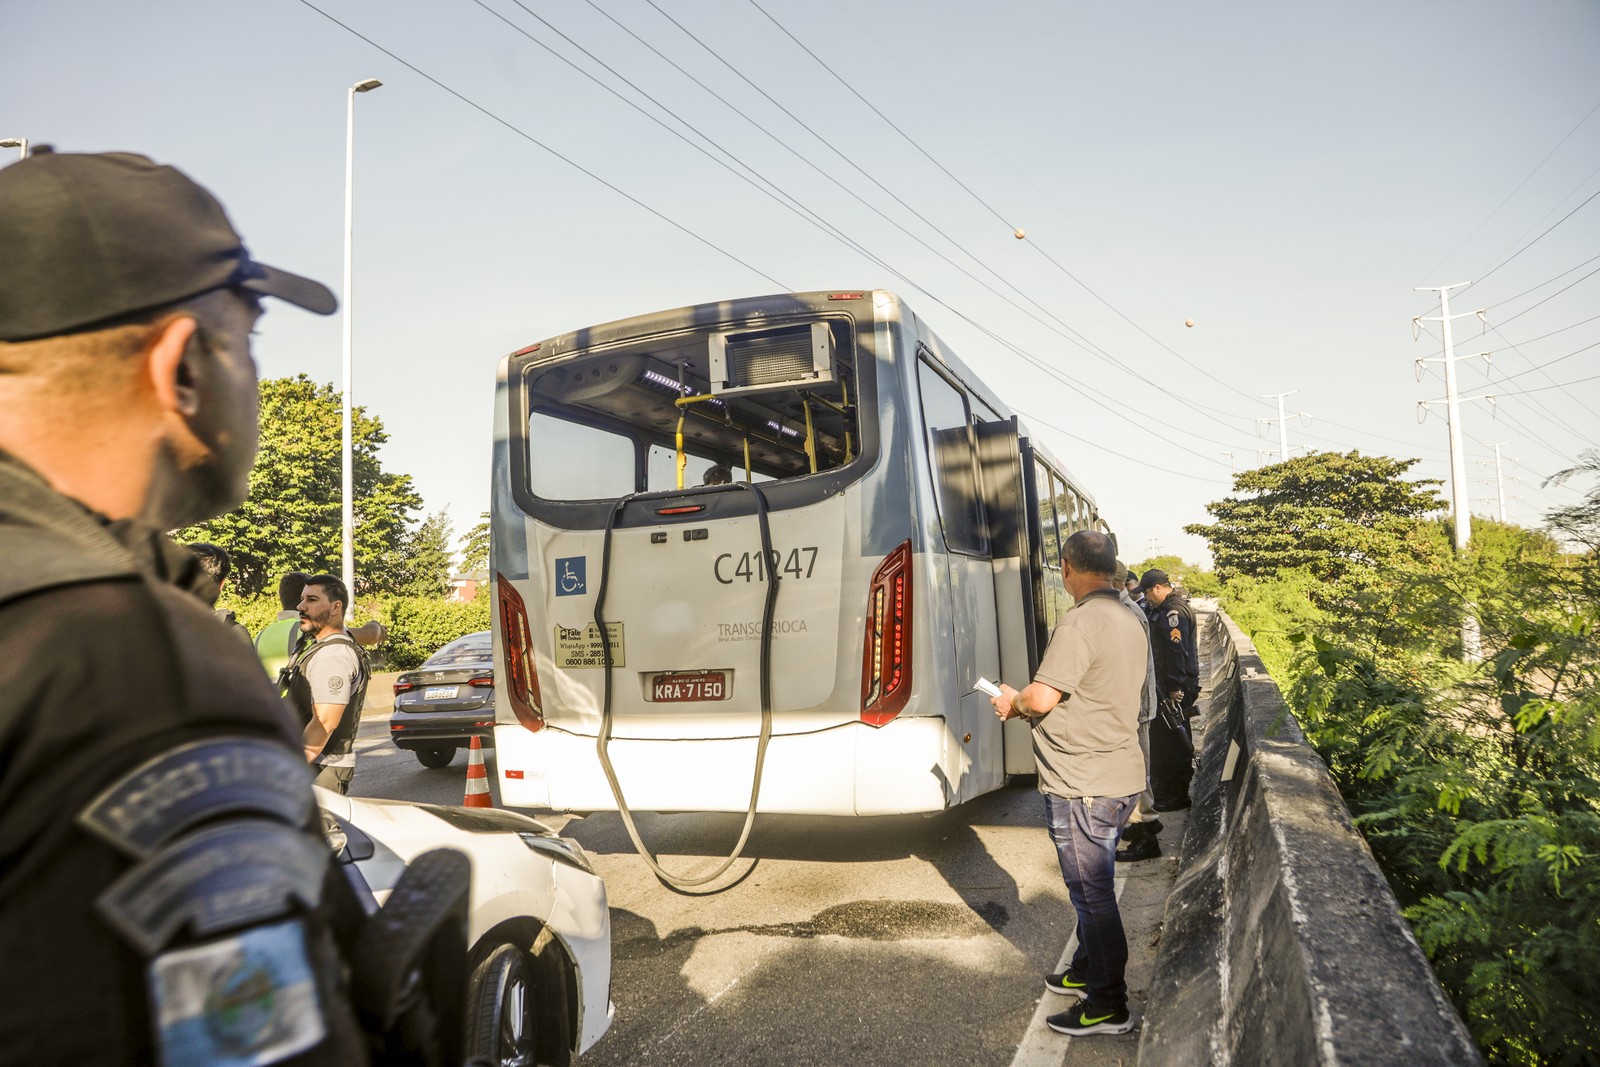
(418,626)
(1477,785)
(253,612)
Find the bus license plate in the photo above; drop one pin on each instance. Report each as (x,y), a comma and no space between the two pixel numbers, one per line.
(708,685)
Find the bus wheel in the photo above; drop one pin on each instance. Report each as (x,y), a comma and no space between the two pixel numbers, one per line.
(436,757)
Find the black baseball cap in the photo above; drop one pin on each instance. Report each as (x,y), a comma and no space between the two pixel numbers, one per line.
(1152,578)
(89,238)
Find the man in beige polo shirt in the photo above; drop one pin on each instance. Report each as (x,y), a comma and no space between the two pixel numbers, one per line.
(1083,705)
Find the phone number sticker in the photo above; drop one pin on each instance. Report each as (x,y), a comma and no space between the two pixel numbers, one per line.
(581,648)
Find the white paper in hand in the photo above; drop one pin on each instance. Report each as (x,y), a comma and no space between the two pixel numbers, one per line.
(983,685)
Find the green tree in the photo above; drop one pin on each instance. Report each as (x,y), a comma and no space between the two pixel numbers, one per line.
(426,562)
(1195,579)
(1335,515)
(1477,785)
(291,519)
(475,546)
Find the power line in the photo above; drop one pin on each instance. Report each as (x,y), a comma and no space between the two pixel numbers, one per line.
(1035,420)
(1536,240)
(818,219)
(1513,192)
(1540,367)
(1546,388)
(1107,400)
(909,139)
(989,207)
(1549,298)
(1576,189)
(534,140)
(1542,284)
(1552,333)
(1072,334)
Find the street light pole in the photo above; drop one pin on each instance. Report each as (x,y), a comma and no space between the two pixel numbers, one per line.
(347,475)
(19,143)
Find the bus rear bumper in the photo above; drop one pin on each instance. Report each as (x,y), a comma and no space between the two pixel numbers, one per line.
(909,765)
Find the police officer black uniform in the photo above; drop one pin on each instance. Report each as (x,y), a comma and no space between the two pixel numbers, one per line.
(1177,663)
(164,893)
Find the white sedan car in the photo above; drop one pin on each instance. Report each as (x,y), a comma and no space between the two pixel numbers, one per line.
(539,932)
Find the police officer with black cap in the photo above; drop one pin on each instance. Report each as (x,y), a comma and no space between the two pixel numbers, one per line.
(1177,660)
(164,894)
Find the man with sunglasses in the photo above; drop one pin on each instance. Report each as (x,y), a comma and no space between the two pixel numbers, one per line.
(163,893)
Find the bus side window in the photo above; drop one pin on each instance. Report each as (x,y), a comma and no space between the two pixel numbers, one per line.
(572,461)
(1050,522)
(954,466)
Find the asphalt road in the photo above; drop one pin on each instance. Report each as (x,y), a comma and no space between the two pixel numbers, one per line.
(898,940)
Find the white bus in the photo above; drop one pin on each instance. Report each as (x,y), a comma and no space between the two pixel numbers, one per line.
(812,626)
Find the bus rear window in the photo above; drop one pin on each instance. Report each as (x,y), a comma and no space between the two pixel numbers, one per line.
(762,403)
(573,461)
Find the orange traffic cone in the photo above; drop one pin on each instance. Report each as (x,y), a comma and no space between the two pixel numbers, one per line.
(477,778)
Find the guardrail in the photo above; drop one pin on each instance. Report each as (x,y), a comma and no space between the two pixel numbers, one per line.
(1282,943)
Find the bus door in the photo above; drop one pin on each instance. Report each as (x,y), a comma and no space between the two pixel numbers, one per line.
(1006,501)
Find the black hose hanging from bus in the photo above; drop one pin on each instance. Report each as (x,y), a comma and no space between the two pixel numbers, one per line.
(604,739)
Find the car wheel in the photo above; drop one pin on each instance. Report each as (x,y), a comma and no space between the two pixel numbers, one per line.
(500,1010)
(436,757)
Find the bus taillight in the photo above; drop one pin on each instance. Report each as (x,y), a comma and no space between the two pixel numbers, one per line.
(886,661)
(522,675)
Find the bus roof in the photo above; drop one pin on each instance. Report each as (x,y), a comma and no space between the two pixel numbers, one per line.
(881,305)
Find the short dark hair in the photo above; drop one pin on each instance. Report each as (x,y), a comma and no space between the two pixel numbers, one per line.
(213,560)
(1092,552)
(333,586)
(290,586)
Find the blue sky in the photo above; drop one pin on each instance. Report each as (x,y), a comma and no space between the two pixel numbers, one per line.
(1282,174)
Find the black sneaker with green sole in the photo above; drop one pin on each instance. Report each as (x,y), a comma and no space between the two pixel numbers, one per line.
(1067,984)
(1085,1018)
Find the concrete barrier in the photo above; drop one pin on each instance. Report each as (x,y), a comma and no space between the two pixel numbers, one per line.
(1282,943)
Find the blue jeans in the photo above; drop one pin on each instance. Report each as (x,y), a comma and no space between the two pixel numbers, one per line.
(1085,834)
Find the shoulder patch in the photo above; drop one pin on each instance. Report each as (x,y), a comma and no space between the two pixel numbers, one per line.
(179,789)
(220,878)
(1172,617)
(1177,634)
(336,683)
(249,999)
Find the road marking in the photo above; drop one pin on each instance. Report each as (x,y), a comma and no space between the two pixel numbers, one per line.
(1042,1046)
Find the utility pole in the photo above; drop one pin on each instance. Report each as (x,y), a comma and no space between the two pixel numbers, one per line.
(1461,505)
(1282,421)
(1233,465)
(1499,478)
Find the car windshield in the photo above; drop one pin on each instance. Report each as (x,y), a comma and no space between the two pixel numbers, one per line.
(474,648)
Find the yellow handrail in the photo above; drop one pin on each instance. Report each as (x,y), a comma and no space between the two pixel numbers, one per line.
(811,440)
(683,403)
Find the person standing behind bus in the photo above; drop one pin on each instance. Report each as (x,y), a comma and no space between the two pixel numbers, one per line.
(1142,833)
(281,638)
(215,563)
(1177,684)
(276,642)
(328,683)
(1083,705)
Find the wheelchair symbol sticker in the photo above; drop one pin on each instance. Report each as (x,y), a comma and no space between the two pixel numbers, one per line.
(571,578)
